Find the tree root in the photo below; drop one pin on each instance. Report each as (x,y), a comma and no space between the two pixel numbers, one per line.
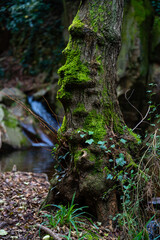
(51,233)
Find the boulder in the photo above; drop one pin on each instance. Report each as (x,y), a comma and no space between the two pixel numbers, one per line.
(9,95)
(11,132)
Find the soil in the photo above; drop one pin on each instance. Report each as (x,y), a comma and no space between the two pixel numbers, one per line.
(21,195)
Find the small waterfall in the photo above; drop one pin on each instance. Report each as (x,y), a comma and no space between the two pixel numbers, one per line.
(39,109)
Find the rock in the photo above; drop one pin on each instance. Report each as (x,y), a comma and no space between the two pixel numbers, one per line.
(153,229)
(11,132)
(7,95)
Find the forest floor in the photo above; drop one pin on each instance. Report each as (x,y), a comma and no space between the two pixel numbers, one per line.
(21,194)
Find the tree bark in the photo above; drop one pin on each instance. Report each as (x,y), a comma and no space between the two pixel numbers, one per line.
(93,123)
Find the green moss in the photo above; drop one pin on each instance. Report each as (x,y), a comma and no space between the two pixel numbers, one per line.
(80,109)
(109,112)
(139,11)
(91,156)
(137,19)
(76,25)
(63,126)
(95,122)
(100,65)
(77,156)
(156,32)
(62,94)
(136,136)
(9,120)
(96,14)
(73,72)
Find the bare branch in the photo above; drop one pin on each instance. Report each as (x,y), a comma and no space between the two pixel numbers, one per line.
(142,119)
(51,233)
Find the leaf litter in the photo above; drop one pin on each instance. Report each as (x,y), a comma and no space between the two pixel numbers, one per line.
(21,195)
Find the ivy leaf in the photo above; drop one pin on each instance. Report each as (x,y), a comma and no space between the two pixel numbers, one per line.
(110,160)
(3,232)
(89,141)
(109,176)
(108,151)
(123,140)
(90,132)
(101,142)
(82,135)
(113,146)
(120,177)
(120,161)
(103,147)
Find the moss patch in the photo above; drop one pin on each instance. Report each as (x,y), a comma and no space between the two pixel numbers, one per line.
(76,25)
(80,109)
(96,14)
(63,126)
(95,122)
(156,32)
(136,136)
(9,120)
(73,72)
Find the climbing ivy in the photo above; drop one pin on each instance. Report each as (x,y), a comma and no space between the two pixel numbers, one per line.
(156,6)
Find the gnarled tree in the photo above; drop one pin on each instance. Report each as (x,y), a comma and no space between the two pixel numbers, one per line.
(93,127)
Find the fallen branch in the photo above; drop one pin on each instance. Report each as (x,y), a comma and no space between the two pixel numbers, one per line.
(51,233)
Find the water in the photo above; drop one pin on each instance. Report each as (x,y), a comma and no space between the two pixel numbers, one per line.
(41,111)
(38,160)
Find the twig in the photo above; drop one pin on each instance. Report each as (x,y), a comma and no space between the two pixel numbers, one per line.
(51,233)
(127,98)
(142,119)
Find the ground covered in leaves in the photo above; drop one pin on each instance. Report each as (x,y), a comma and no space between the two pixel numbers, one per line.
(21,195)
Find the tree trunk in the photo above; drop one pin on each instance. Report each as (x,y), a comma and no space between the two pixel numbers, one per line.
(93,125)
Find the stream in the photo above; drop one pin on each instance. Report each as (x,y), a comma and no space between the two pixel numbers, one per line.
(37,159)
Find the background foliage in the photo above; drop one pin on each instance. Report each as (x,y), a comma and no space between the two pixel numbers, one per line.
(36,32)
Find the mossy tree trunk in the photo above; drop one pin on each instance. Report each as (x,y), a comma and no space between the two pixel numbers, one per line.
(93,125)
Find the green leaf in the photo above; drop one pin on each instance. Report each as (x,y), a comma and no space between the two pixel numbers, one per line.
(103,147)
(3,232)
(82,135)
(109,176)
(120,177)
(90,132)
(113,146)
(101,142)
(89,141)
(110,160)
(120,161)
(123,140)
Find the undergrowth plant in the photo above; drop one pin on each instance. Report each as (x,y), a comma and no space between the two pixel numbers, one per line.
(73,217)
(139,182)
